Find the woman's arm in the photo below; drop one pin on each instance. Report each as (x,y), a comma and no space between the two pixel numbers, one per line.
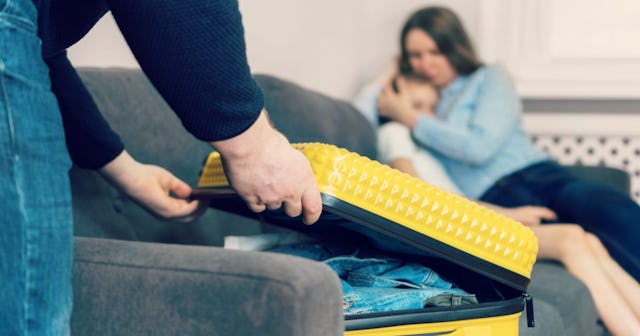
(481,117)
(494,113)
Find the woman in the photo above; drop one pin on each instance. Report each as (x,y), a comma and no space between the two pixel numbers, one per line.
(478,136)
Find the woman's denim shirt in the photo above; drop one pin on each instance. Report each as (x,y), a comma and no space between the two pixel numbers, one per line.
(478,134)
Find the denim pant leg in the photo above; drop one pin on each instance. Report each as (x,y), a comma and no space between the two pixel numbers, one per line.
(609,214)
(36,236)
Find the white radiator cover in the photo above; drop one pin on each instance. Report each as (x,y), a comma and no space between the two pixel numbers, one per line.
(600,139)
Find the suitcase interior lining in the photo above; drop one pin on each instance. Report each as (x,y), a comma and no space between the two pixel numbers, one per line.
(495,298)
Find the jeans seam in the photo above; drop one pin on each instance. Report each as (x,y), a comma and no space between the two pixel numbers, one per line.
(14,20)
(6,104)
(4,8)
(14,157)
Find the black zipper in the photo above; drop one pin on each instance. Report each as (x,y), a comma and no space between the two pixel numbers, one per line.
(528,304)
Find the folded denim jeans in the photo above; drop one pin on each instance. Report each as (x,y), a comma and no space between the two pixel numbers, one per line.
(376,283)
(360,300)
(411,275)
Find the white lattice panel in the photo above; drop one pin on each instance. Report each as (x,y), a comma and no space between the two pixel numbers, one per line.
(591,150)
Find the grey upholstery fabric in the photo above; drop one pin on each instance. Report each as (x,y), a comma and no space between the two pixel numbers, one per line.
(307,116)
(131,288)
(547,318)
(552,284)
(135,288)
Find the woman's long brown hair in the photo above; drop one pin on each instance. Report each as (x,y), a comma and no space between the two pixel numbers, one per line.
(444,27)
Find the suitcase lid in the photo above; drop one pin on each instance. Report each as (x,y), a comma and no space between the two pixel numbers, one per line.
(375,196)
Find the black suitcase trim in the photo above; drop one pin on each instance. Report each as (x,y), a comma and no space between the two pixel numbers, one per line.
(423,242)
(434,314)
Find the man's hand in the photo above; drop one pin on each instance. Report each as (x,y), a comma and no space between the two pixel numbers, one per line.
(151,187)
(268,173)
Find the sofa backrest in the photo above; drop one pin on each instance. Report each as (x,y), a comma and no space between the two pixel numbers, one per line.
(153,134)
(307,116)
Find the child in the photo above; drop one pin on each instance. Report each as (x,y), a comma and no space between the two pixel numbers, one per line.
(395,146)
(613,290)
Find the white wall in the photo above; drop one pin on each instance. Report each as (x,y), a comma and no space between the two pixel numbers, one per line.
(581,49)
(104,46)
(332,46)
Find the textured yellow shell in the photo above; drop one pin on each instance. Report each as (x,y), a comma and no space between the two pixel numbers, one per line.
(413,203)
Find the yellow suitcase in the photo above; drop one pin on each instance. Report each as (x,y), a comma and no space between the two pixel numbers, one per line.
(484,252)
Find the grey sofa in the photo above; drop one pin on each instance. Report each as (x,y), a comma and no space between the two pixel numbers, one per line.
(135,275)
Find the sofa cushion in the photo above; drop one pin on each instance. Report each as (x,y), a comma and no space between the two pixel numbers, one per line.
(553,284)
(133,288)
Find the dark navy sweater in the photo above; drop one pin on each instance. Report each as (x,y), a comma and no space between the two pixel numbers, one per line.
(193,52)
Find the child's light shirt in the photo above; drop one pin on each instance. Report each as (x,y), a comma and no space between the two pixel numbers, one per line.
(394,142)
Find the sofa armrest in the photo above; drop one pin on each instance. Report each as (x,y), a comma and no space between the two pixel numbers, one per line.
(133,288)
(615,177)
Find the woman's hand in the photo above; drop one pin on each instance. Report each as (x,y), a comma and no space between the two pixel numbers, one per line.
(151,187)
(268,173)
(397,105)
(528,215)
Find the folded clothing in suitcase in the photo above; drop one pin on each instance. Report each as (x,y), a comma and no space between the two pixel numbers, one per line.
(480,250)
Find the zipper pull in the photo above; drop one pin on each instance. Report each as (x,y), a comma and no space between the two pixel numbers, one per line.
(528,302)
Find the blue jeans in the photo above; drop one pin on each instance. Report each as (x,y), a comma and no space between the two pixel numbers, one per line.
(609,214)
(36,233)
(373,283)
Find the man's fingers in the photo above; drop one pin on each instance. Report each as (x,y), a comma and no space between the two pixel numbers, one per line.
(195,210)
(179,187)
(274,205)
(256,206)
(311,206)
(179,210)
(293,208)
